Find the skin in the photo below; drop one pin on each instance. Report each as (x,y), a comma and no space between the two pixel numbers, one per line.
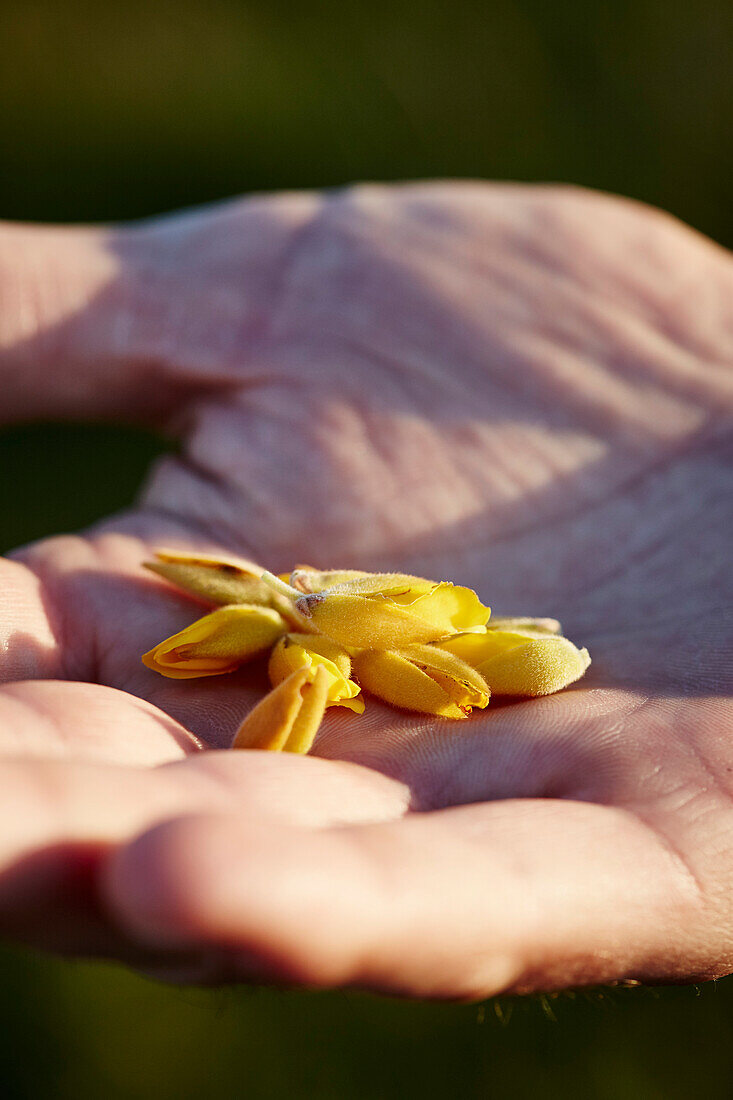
(526,390)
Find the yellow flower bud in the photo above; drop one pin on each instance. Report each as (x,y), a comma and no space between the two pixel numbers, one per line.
(217,580)
(422,678)
(516,663)
(218,643)
(287,719)
(389,610)
(296,651)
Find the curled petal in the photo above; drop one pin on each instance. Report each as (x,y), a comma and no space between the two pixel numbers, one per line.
(218,643)
(218,580)
(287,719)
(397,681)
(296,651)
(465,685)
(451,605)
(422,679)
(316,644)
(387,611)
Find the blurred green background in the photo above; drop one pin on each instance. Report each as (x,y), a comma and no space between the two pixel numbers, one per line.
(120,110)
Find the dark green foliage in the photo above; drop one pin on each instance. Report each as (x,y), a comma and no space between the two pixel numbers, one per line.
(71,1030)
(120,109)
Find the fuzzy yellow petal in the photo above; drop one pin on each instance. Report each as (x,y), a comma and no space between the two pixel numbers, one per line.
(217,643)
(524,624)
(315,644)
(399,682)
(220,580)
(464,684)
(359,622)
(459,608)
(287,719)
(295,651)
(475,648)
(307,579)
(423,679)
(539,667)
(310,715)
(452,607)
(387,611)
(367,584)
(526,662)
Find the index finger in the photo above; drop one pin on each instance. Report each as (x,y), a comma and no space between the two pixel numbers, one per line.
(465,902)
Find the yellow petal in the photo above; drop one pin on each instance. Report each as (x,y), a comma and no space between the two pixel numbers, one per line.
(448,605)
(539,667)
(453,607)
(359,622)
(397,681)
(400,585)
(387,611)
(219,580)
(296,651)
(218,643)
(268,726)
(422,678)
(465,686)
(524,624)
(287,719)
(315,644)
(310,715)
(307,579)
(475,648)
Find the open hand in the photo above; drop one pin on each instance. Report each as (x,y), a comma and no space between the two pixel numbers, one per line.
(525,390)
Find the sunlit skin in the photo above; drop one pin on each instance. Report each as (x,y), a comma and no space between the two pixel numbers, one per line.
(524,390)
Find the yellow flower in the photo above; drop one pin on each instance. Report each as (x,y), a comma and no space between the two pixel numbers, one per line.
(388,610)
(287,719)
(422,678)
(218,643)
(520,663)
(219,580)
(424,645)
(296,651)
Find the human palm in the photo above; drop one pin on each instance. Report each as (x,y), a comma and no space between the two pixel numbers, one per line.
(522,390)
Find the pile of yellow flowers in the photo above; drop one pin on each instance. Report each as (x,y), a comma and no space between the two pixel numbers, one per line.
(423,645)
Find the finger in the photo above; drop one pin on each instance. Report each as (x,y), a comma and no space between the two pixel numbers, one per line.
(60,821)
(461,903)
(118,323)
(56,719)
(29,645)
(85,609)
